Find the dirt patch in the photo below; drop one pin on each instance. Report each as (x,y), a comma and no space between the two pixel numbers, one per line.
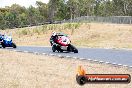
(23,70)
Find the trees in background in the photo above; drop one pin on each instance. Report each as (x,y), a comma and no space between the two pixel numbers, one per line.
(18,16)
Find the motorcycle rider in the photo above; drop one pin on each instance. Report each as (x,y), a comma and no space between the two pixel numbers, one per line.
(53,38)
(1,37)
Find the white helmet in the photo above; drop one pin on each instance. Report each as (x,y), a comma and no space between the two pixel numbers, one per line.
(54,34)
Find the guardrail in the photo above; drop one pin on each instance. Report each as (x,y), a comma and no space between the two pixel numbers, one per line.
(111,19)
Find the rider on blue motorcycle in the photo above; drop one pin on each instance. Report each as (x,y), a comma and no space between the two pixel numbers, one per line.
(1,37)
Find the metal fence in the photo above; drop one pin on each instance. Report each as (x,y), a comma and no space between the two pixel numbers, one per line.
(111,19)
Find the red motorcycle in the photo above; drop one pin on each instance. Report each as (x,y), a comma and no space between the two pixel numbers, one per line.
(63,43)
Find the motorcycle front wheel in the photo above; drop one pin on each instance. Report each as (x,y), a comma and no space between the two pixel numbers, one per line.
(54,48)
(14,45)
(3,45)
(73,48)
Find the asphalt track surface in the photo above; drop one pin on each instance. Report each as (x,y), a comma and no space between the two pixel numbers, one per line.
(123,57)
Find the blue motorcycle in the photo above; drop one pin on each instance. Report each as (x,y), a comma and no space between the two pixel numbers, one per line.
(6,41)
(1,40)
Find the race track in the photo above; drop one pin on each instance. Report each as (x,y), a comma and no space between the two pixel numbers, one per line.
(123,57)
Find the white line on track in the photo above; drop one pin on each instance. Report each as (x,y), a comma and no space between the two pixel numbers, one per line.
(25,51)
(107,62)
(74,57)
(60,56)
(82,58)
(68,56)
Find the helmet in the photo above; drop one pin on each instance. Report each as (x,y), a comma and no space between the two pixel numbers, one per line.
(54,34)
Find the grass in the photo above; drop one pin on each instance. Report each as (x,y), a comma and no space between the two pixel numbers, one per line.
(43,29)
(81,34)
(23,70)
